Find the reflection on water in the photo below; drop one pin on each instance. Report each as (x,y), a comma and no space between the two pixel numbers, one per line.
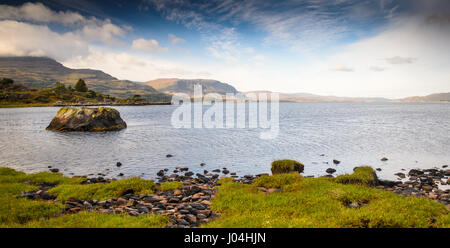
(409,134)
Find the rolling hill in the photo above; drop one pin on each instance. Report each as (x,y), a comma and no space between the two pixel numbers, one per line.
(41,72)
(307,97)
(175,85)
(438,97)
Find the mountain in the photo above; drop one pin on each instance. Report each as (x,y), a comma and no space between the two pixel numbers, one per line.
(41,72)
(438,97)
(307,97)
(175,85)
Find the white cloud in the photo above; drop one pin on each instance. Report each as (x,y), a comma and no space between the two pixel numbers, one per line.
(175,40)
(23,39)
(91,28)
(38,12)
(148,45)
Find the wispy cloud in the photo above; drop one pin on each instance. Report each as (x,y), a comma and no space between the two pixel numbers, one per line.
(342,68)
(302,25)
(397,60)
(175,40)
(377,68)
(148,45)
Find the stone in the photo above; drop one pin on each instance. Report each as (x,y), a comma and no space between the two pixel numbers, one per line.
(54,170)
(354,205)
(330,170)
(273,190)
(81,119)
(119,164)
(401,175)
(384,159)
(427,188)
(336,161)
(169,155)
(160,173)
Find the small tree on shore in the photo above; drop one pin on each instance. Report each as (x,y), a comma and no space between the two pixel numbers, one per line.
(6,82)
(81,86)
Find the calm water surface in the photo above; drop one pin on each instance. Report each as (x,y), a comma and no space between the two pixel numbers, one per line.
(411,135)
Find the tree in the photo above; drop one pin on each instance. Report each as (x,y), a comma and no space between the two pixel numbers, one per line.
(6,82)
(60,88)
(81,86)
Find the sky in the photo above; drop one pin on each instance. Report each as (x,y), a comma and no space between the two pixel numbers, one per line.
(356,48)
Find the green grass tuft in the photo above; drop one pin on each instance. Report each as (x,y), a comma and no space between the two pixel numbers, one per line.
(103,191)
(97,220)
(286,166)
(277,181)
(166,186)
(361,175)
(224,180)
(321,202)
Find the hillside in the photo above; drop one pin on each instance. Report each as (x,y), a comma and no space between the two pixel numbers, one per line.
(438,97)
(175,85)
(40,72)
(306,97)
(18,95)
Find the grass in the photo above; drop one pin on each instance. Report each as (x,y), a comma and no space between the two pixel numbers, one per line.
(97,220)
(361,175)
(286,166)
(302,202)
(277,180)
(166,186)
(21,212)
(103,191)
(320,202)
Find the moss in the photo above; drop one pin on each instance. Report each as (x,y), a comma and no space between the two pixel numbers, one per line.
(320,202)
(166,186)
(286,166)
(98,220)
(103,191)
(361,175)
(277,181)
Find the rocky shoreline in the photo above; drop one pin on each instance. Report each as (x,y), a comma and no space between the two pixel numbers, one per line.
(189,206)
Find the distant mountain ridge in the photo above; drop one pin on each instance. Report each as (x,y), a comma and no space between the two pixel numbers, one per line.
(42,72)
(437,97)
(176,85)
(307,97)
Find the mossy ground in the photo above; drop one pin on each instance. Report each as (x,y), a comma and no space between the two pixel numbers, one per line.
(320,202)
(20,212)
(302,202)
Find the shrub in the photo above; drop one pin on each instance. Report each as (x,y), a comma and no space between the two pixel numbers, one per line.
(361,175)
(286,166)
(81,86)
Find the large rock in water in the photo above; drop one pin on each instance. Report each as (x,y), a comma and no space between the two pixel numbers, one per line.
(87,120)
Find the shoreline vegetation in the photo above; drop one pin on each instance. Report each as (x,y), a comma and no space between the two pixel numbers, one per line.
(14,95)
(182,199)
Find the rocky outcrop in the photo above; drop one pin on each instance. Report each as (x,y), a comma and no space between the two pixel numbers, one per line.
(87,120)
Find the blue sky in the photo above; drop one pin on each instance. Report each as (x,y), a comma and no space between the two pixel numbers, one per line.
(382,48)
